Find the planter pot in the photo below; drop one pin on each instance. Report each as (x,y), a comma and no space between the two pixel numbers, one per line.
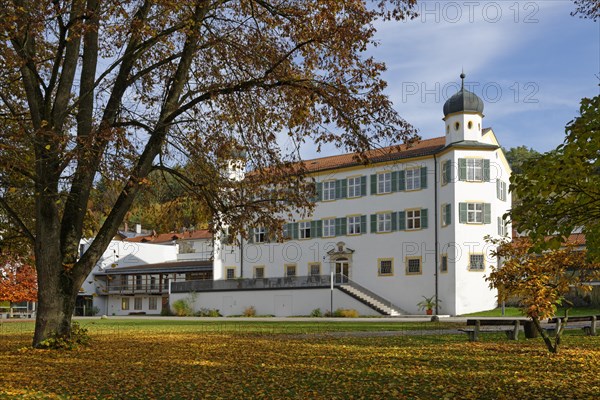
(429,312)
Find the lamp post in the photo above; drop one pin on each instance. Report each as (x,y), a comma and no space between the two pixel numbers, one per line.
(331,286)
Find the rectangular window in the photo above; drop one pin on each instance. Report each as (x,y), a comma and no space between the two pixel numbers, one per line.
(384,222)
(124,303)
(385,266)
(444,264)
(501,189)
(354,225)
(474,213)
(304,230)
(124,282)
(285,232)
(446,172)
(138,282)
(260,235)
(259,272)
(230,273)
(328,190)
(476,262)
(354,187)
(413,265)
(413,219)
(153,283)
(137,303)
(446,214)
(153,303)
(290,270)
(384,182)
(329,227)
(314,269)
(413,179)
(474,169)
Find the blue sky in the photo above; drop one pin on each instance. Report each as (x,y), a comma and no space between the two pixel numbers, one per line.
(530,61)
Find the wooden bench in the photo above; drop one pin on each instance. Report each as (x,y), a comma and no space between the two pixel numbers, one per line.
(588,329)
(511,329)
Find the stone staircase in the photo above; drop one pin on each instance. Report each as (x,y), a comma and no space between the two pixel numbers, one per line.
(370,299)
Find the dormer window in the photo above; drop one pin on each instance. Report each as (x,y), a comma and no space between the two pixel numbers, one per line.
(470,124)
(456,125)
(447,129)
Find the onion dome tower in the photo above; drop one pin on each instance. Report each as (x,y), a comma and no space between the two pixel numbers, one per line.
(463,115)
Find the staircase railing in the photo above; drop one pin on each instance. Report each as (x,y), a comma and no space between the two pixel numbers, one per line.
(372,294)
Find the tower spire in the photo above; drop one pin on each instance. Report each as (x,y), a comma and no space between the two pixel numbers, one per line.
(462,77)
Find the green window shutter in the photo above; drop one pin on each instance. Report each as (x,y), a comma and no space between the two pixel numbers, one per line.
(344,188)
(294,227)
(338,189)
(363,185)
(498,188)
(486,170)
(462,213)
(251,236)
(394,221)
(267,238)
(487,213)
(373,223)
(395,181)
(319,231)
(374,184)
(401,181)
(448,214)
(424,177)
(340,226)
(462,169)
(504,190)
(363,224)
(424,218)
(319,191)
(402,221)
(313,229)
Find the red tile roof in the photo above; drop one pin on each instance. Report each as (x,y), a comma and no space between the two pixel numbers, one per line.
(169,237)
(421,148)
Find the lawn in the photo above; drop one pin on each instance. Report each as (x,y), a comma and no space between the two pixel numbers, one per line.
(189,359)
(516,312)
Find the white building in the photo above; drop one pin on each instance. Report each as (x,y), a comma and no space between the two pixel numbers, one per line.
(410,224)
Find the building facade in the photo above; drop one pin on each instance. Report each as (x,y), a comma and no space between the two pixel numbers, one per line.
(409,224)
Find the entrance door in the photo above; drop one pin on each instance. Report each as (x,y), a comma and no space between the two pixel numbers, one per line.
(342,271)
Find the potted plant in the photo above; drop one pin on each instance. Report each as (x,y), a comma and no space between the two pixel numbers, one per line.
(428,303)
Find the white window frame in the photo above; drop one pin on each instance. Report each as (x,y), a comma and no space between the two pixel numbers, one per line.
(328,191)
(152,303)
(413,178)
(354,225)
(444,215)
(384,182)
(384,222)
(227,271)
(124,303)
(304,230)
(329,227)
(260,234)
(479,264)
(256,269)
(445,166)
(474,213)
(413,219)
(310,269)
(138,303)
(474,169)
(354,185)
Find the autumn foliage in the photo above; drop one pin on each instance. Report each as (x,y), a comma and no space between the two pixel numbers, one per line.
(540,281)
(18,281)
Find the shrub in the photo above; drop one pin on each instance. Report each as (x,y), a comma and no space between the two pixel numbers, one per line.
(345,313)
(79,337)
(316,313)
(250,311)
(182,308)
(208,312)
